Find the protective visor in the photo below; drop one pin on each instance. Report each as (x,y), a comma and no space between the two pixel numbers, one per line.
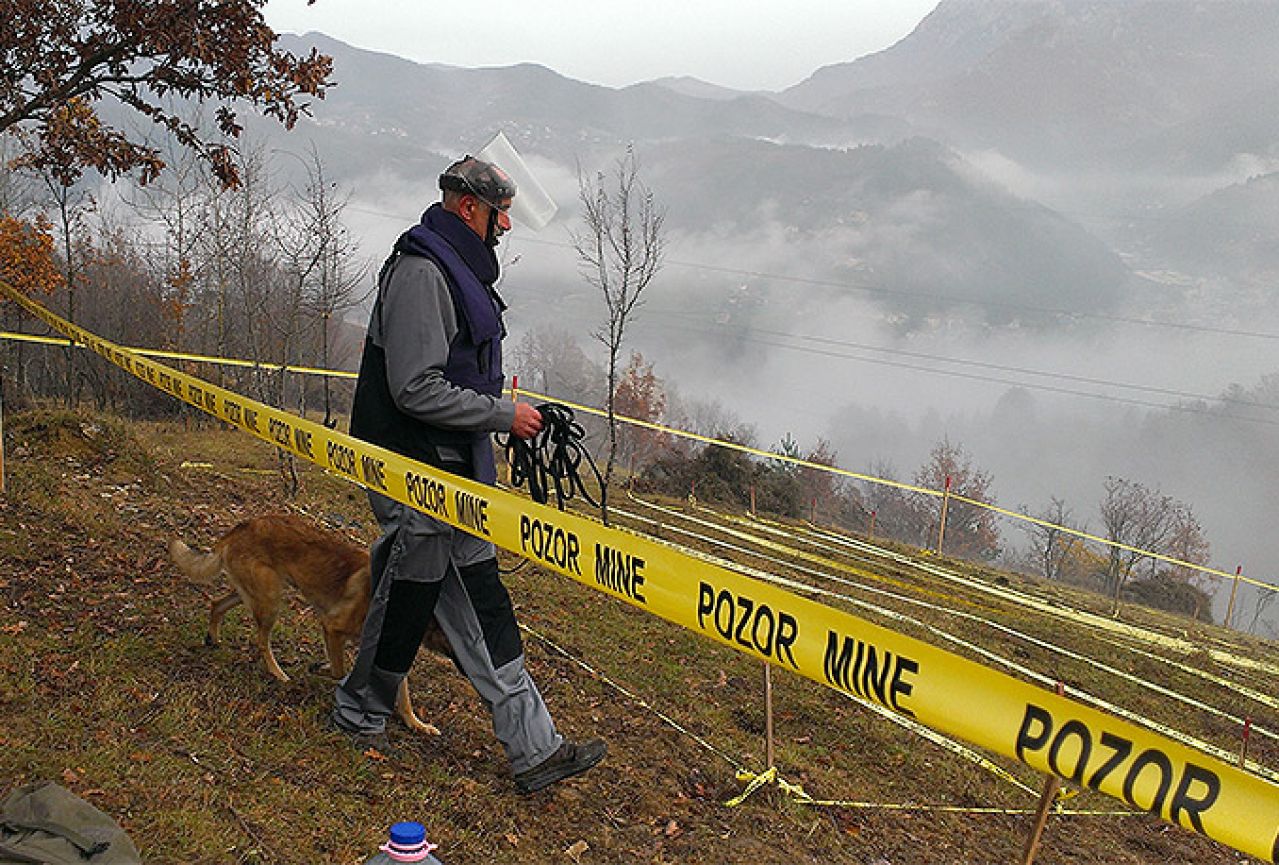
(532,206)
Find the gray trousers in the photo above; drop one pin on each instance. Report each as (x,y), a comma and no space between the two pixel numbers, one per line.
(473,611)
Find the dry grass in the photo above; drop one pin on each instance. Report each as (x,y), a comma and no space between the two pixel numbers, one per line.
(106,686)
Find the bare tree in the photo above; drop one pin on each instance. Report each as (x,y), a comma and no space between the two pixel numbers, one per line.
(240,269)
(1050,546)
(18,195)
(1187,543)
(175,201)
(549,360)
(708,418)
(619,251)
(1139,518)
(894,513)
(318,257)
(1265,597)
(61,176)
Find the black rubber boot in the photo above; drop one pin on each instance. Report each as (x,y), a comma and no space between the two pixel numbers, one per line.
(568,760)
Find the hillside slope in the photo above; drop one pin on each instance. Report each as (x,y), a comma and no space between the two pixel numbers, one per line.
(105,686)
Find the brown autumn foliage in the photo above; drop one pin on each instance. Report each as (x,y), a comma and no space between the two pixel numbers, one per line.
(61,58)
(971,531)
(26,255)
(640,395)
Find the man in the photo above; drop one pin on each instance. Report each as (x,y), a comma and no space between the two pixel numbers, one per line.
(430,387)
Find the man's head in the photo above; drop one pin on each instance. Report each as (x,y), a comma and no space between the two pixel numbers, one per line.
(479,193)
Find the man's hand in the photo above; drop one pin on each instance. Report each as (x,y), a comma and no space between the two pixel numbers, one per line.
(528,421)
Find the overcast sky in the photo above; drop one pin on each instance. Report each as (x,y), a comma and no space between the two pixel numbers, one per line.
(744,44)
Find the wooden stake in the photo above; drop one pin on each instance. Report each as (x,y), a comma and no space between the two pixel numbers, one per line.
(753,500)
(768,714)
(1247,733)
(871,532)
(945,506)
(1046,799)
(1230,609)
(515,397)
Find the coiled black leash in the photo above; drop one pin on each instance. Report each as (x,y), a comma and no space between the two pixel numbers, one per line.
(552,458)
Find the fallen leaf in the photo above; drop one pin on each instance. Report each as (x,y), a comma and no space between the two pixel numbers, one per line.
(575,852)
(672,829)
(512,839)
(69,776)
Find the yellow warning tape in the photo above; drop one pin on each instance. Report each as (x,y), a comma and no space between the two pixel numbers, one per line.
(823,540)
(692,436)
(799,795)
(803,463)
(944,691)
(892,615)
(1094,620)
(1059,650)
(177,355)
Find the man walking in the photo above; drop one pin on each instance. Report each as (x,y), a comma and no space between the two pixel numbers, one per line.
(430,388)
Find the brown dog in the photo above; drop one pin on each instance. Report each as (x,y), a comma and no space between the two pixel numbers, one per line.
(263,555)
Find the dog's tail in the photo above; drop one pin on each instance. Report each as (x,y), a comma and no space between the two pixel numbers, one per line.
(200,567)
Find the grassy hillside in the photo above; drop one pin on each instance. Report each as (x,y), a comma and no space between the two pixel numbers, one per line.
(106,686)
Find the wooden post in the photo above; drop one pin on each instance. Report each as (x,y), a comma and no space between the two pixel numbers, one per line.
(1046,799)
(1230,608)
(871,532)
(1247,733)
(768,714)
(753,500)
(515,397)
(945,506)
(812,510)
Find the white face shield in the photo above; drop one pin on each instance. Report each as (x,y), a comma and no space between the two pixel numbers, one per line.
(532,205)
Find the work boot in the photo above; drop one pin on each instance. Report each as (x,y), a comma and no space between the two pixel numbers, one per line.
(365,742)
(568,760)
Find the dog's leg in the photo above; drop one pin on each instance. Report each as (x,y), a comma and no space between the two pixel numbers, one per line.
(404,708)
(216,611)
(335,648)
(264,644)
(265,605)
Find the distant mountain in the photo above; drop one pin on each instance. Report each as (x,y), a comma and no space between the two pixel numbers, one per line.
(690,86)
(911,225)
(1234,228)
(909,220)
(449,108)
(1053,80)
